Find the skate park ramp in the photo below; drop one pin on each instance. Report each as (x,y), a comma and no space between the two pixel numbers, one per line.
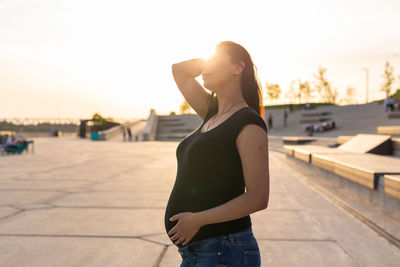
(368,143)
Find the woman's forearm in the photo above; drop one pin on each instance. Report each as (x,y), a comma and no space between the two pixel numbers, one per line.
(236,208)
(191,67)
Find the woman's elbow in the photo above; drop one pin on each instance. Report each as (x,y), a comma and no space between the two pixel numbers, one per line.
(261,202)
(264,204)
(175,67)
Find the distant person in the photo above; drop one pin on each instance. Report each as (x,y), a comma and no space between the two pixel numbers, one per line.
(285,115)
(391,103)
(210,174)
(290,108)
(5,140)
(123,134)
(18,139)
(129,134)
(269,120)
(9,140)
(15,142)
(310,131)
(385,103)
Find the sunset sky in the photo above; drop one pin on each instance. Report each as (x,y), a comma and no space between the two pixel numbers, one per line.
(71,58)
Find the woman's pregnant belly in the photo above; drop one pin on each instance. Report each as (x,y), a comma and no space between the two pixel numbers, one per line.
(173,207)
(185,200)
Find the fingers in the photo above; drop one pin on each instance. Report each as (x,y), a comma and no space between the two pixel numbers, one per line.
(174,237)
(188,238)
(186,241)
(180,240)
(172,231)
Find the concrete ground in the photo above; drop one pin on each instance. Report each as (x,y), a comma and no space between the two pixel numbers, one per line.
(86,203)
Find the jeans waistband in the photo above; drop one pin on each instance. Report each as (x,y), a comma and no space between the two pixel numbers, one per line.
(212,239)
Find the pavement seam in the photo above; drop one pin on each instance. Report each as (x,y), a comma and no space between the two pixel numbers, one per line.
(338,243)
(321,226)
(393,240)
(103,207)
(161,256)
(85,236)
(297,239)
(10,215)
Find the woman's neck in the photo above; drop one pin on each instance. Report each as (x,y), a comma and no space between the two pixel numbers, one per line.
(228,97)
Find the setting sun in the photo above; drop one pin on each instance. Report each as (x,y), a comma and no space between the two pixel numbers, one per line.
(117,57)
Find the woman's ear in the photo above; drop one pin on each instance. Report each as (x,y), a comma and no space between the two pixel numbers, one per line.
(242,65)
(241,62)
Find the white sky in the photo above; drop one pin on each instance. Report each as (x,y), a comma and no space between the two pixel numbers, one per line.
(71,58)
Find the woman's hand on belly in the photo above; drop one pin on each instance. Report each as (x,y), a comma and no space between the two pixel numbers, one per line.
(186,228)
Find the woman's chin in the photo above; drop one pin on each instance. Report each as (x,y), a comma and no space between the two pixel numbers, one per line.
(207,86)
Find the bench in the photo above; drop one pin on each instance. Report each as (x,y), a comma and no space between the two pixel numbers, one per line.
(392,185)
(363,169)
(363,173)
(18,148)
(315,117)
(315,120)
(312,114)
(394,115)
(297,140)
(304,152)
(322,127)
(391,130)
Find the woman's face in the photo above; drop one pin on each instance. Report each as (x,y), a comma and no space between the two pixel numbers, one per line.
(217,70)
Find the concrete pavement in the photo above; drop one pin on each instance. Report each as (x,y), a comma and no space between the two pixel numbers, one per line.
(85,203)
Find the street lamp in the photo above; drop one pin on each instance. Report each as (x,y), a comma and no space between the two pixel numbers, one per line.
(367,84)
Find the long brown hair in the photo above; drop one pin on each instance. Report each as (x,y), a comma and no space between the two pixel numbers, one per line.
(250,84)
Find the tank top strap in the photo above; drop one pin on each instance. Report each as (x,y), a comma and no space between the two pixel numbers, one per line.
(248,116)
(237,122)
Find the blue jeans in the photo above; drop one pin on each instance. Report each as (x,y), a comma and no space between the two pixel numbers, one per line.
(238,249)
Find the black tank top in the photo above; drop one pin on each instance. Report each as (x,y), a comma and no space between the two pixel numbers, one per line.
(210,172)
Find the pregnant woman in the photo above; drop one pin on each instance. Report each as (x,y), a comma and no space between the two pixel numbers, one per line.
(207,215)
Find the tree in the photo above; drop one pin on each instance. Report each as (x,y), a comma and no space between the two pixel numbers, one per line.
(305,89)
(324,87)
(293,94)
(388,79)
(399,84)
(185,107)
(299,90)
(350,92)
(273,90)
(98,118)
